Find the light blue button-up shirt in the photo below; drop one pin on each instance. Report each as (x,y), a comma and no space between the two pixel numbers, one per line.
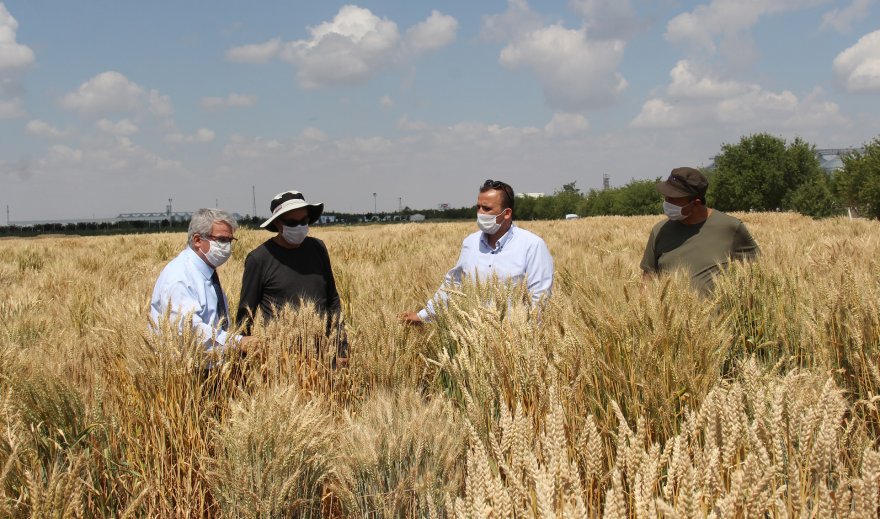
(518,255)
(185,285)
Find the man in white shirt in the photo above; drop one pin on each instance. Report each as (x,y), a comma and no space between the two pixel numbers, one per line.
(499,248)
(189,284)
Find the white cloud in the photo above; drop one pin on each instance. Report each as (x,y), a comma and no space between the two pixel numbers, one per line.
(566,125)
(160,105)
(121,127)
(232,100)
(857,69)
(436,32)
(657,113)
(405,124)
(606,19)
(841,20)
(13,55)
(575,72)
(115,155)
(695,99)
(255,53)
(347,50)
(279,153)
(686,84)
(369,145)
(386,101)
(12,108)
(314,134)
(107,92)
(39,128)
(351,48)
(701,26)
(202,135)
(518,19)
(14,59)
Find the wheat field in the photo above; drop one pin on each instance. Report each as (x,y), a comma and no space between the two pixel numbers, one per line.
(618,399)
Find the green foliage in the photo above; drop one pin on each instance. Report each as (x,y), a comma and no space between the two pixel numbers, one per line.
(636,198)
(760,171)
(858,184)
(815,198)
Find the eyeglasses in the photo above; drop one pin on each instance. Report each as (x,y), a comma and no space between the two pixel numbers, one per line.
(294,223)
(221,239)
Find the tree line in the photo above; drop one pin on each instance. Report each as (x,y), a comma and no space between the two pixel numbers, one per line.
(761,172)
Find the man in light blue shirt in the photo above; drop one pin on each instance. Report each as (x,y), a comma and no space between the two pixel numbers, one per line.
(499,249)
(189,284)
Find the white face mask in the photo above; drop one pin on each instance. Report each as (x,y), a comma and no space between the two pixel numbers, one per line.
(487,222)
(673,212)
(218,253)
(294,235)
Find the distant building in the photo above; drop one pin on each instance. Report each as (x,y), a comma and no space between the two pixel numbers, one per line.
(327,218)
(417,217)
(530,195)
(158,217)
(831,160)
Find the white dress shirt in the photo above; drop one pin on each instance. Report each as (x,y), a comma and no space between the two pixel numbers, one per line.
(185,285)
(518,255)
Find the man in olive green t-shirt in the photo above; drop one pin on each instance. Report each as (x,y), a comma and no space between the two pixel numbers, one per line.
(695,238)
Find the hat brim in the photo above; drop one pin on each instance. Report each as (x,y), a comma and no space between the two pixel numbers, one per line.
(672,191)
(315,211)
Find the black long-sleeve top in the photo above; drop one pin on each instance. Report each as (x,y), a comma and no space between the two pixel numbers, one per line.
(275,276)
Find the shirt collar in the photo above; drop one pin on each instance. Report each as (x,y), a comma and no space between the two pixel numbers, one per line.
(501,241)
(200,264)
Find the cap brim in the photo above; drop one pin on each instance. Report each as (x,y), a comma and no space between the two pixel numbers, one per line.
(315,211)
(672,191)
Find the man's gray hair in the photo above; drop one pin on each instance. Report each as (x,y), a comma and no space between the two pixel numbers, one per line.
(203,220)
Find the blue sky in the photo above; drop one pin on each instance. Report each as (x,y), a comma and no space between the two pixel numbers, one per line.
(110,107)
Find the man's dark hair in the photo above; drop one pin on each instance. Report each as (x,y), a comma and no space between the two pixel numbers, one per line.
(504,187)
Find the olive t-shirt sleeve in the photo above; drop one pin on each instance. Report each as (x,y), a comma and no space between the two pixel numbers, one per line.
(649,258)
(744,246)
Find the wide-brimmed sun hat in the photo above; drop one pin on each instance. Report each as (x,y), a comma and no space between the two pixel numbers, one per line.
(288,201)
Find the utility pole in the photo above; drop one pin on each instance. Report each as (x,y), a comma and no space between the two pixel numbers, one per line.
(169,210)
(399,204)
(254,195)
(7,215)
(374,203)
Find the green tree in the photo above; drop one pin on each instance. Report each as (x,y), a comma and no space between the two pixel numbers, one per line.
(858,184)
(760,172)
(815,198)
(639,197)
(566,200)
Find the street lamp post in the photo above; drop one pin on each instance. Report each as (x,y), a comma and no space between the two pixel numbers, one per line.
(374,203)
